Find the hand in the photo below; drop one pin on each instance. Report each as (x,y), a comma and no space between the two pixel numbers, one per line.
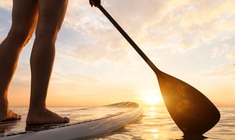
(94,3)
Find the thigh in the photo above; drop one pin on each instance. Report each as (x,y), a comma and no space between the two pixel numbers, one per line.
(51,16)
(24,15)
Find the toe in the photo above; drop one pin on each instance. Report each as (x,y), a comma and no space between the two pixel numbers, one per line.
(11,116)
(66,120)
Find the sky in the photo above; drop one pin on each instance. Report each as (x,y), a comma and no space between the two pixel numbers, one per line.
(94,65)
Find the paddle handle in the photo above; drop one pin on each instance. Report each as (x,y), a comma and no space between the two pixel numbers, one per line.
(127,37)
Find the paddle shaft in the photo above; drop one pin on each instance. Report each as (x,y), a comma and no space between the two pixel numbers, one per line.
(127,37)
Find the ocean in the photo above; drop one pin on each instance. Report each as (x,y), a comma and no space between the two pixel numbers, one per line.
(156,124)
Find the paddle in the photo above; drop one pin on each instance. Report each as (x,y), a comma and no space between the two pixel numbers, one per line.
(192,112)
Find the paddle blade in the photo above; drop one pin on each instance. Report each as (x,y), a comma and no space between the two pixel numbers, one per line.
(192,112)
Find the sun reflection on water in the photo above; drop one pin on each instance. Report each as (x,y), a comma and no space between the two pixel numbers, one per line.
(155,133)
(152,111)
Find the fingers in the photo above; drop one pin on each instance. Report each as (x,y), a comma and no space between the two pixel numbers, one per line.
(95,3)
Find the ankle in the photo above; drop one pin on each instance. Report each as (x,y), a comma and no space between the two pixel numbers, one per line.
(3,108)
(37,107)
(35,111)
(4,104)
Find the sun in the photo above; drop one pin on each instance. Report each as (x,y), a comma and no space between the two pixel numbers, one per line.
(151,97)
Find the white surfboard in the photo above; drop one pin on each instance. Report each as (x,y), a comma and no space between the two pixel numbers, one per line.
(92,122)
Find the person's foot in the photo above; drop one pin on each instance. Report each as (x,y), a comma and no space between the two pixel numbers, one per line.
(8,115)
(45,116)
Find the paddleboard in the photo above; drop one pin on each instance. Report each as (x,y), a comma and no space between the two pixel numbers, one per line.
(85,123)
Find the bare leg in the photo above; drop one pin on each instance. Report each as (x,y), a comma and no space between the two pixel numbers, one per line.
(23,24)
(51,15)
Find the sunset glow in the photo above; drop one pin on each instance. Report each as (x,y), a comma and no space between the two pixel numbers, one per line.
(151,98)
(94,65)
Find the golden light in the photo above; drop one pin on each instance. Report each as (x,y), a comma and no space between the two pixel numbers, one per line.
(151,97)
(155,133)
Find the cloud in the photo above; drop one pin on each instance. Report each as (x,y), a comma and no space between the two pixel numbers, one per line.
(191,24)
(163,27)
(175,33)
(231,55)
(221,50)
(6,4)
(93,38)
(225,47)
(224,70)
(172,25)
(177,25)
(90,53)
(86,54)
(82,18)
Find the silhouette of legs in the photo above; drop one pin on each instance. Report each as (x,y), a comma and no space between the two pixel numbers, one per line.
(47,17)
(23,24)
(51,14)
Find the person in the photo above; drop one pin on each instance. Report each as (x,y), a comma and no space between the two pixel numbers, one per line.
(46,18)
